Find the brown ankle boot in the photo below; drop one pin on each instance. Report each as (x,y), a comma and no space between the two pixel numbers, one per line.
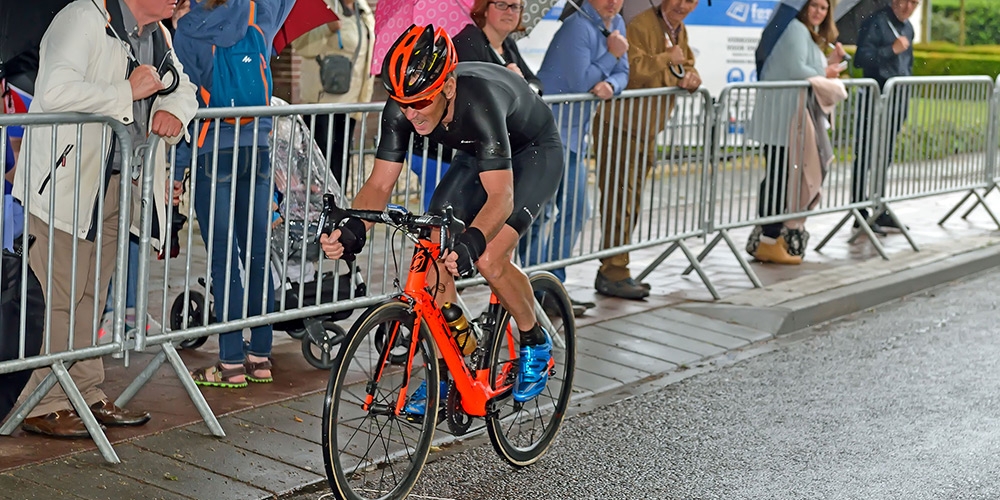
(776,252)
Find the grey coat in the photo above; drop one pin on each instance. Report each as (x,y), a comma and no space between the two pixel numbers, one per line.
(795,57)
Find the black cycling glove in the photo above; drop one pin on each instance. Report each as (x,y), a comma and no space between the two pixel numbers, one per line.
(352,235)
(469,246)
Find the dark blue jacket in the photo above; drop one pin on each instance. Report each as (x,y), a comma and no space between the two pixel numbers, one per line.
(223,26)
(874,55)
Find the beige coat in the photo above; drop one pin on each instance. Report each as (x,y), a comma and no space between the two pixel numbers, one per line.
(321,42)
(809,149)
(648,59)
(83,71)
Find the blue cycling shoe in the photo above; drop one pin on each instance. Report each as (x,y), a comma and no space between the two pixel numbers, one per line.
(534,370)
(417,404)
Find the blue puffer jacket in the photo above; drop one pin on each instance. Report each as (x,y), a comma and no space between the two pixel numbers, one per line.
(223,26)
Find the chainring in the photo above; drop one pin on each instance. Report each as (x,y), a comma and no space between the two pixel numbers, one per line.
(459,422)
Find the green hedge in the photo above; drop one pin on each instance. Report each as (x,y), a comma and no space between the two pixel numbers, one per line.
(942,58)
(982,17)
(955,64)
(950,47)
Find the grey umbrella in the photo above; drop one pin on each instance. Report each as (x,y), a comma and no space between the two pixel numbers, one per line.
(534,11)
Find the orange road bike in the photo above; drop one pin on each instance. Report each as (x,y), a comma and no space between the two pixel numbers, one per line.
(372,447)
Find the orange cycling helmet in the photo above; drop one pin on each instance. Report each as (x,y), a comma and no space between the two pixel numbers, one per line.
(418,63)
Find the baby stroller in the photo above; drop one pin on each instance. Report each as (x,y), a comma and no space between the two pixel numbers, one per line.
(299,186)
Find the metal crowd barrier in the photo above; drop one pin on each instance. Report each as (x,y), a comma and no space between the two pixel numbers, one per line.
(992,160)
(659,166)
(647,161)
(754,122)
(65,133)
(934,138)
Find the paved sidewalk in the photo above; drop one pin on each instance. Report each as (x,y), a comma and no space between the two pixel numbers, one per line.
(273,432)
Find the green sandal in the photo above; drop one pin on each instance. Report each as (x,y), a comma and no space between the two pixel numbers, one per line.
(217,376)
(251,367)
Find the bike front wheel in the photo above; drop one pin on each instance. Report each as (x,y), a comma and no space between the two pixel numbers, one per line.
(522,432)
(370,451)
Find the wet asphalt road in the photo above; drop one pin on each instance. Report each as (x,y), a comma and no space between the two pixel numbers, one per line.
(896,402)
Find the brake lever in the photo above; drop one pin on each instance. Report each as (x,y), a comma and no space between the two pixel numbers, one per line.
(455,226)
(329,217)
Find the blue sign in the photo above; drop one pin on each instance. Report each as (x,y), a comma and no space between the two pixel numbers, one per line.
(735,75)
(742,13)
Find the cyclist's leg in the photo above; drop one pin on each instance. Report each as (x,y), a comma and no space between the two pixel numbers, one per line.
(538,171)
(461,188)
(507,280)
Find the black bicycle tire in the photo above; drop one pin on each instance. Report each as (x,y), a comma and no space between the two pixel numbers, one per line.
(365,324)
(522,457)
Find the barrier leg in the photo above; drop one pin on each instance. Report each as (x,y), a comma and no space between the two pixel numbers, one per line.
(957,206)
(865,226)
(704,253)
(902,229)
(981,199)
(21,412)
(147,373)
(742,260)
(83,411)
(974,205)
(853,213)
(193,392)
(697,267)
(656,262)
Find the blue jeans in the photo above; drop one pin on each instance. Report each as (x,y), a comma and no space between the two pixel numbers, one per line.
(427,170)
(245,213)
(130,279)
(573,211)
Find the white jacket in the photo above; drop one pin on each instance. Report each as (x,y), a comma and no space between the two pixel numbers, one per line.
(82,69)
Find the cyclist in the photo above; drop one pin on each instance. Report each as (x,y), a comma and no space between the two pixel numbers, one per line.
(508,164)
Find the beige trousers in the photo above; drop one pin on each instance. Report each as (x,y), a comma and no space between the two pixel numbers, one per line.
(87,374)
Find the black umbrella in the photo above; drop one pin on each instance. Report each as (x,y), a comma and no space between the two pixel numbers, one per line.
(851,15)
(22,24)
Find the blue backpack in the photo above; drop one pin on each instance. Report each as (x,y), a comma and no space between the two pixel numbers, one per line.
(241,75)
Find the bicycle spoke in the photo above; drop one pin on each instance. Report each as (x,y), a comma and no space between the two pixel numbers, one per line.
(371,451)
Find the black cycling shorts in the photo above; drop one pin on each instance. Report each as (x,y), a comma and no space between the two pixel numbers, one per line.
(538,170)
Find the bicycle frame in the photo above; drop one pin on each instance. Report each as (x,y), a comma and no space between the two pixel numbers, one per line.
(475,388)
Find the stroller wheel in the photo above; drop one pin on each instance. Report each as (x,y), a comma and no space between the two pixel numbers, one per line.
(195,313)
(296,333)
(320,352)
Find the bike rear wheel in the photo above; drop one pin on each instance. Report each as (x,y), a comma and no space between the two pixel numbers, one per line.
(375,453)
(522,432)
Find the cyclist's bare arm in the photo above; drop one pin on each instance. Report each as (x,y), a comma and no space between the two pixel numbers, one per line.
(373,195)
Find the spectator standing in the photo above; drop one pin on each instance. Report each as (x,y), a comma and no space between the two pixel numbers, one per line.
(489,40)
(885,50)
(657,39)
(579,59)
(797,55)
(81,68)
(224,23)
(353,40)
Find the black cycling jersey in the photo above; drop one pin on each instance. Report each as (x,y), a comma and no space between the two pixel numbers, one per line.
(497,115)
(499,123)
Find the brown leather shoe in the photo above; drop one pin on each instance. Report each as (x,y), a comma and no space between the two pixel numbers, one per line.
(112,416)
(62,424)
